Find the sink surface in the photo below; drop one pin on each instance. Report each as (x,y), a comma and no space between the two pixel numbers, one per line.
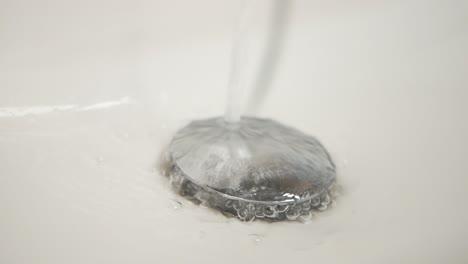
(93,91)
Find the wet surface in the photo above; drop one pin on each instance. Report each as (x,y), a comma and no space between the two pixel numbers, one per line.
(382,85)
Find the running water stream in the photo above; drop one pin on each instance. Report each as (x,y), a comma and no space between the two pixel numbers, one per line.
(238,85)
(249,167)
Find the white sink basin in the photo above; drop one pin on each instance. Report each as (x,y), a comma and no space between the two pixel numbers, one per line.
(92,92)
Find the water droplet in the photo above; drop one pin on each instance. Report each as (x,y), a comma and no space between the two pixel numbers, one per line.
(250,207)
(176,204)
(305,217)
(315,201)
(325,199)
(229,203)
(99,160)
(323,207)
(245,215)
(259,211)
(238,205)
(305,206)
(293,212)
(270,211)
(257,238)
(204,204)
(282,208)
